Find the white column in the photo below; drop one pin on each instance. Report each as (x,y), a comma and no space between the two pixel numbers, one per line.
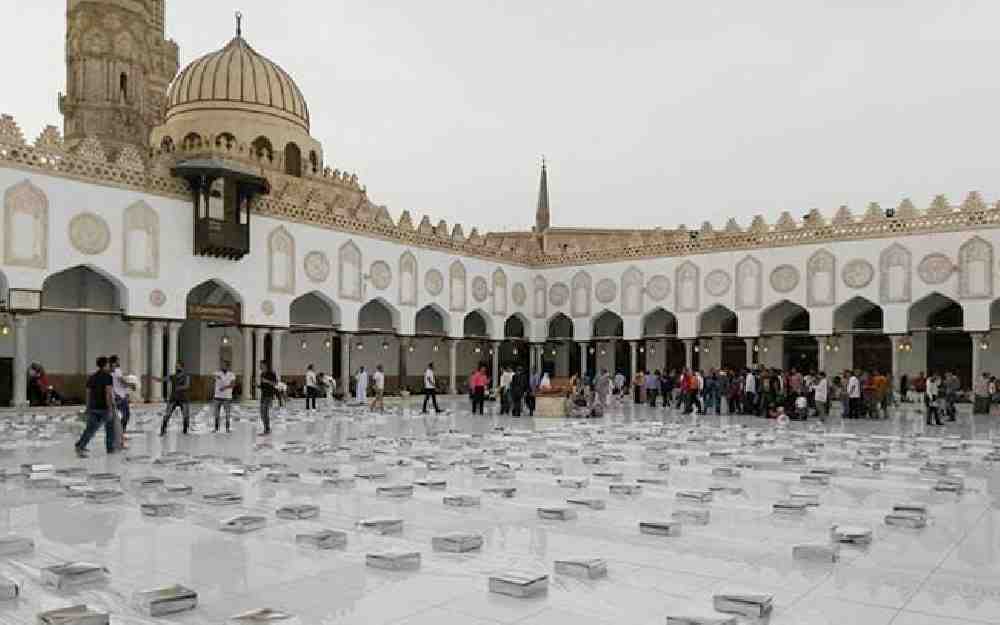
(345,364)
(248,365)
(496,364)
(897,340)
(21,362)
(135,360)
(173,333)
(156,361)
(633,347)
(276,336)
(583,360)
(689,353)
(977,357)
(453,367)
(749,345)
(821,353)
(259,335)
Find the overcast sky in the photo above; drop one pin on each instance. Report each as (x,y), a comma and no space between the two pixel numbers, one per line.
(649,113)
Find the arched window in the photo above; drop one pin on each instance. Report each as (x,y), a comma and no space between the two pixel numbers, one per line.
(167,145)
(191,141)
(262,148)
(293,160)
(225,140)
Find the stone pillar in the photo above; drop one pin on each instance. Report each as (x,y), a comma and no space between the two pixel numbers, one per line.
(897,340)
(276,336)
(345,364)
(135,340)
(404,353)
(749,345)
(689,353)
(259,335)
(248,366)
(156,361)
(453,366)
(633,347)
(173,335)
(821,353)
(21,361)
(977,357)
(583,360)
(496,364)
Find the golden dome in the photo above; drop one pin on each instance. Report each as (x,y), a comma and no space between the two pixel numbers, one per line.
(237,78)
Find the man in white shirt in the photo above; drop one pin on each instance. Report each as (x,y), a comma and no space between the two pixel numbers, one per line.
(854,396)
(378,382)
(931,399)
(312,389)
(121,394)
(430,388)
(821,395)
(749,393)
(361,390)
(225,380)
(505,379)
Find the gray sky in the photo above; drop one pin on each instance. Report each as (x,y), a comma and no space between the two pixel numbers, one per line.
(650,113)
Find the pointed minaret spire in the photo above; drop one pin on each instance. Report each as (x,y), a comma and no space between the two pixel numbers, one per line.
(542,216)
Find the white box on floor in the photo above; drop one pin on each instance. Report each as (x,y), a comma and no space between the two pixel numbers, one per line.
(751,606)
(692,517)
(178,489)
(660,528)
(849,534)
(698,496)
(394,561)
(382,526)
(74,615)
(73,574)
(519,585)
(909,521)
(790,507)
(323,539)
(167,600)
(432,484)
(400,491)
(457,543)
(625,489)
(587,568)
(816,553)
(243,524)
(222,498)
(461,501)
(505,492)
(298,511)
(593,504)
(572,482)
(161,509)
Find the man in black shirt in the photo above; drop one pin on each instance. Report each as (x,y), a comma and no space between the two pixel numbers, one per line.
(180,382)
(268,388)
(100,409)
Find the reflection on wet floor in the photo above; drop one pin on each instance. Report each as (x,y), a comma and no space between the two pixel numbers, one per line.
(522,494)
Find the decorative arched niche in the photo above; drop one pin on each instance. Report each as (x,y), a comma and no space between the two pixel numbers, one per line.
(408,279)
(821,282)
(540,297)
(579,302)
(456,287)
(975,266)
(632,282)
(349,271)
(141,241)
(687,290)
(281,261)
(499,292)
(26,226)
(749,283)
(895,275)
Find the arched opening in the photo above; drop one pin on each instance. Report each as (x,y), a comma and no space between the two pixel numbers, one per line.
(785,327)
(81,319)
(607,350)
(477,347)
(560,358)
(210,336)
(262,149)
(476,325)
(949,347)
(225,141)
(718,329)
(313,340)
(432,326)
(314,163)
(166,145)
(514,351)
(376,343)
(860,323)
(293,160)
(430,321)
(661,349)
(192,141)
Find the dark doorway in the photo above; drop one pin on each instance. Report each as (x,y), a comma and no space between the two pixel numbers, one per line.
(6,381)
(734,354)
(948,347)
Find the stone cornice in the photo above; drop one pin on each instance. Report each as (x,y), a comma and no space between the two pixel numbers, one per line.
(337,201)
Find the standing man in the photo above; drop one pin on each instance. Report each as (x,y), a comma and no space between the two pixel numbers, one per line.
(749,392)
(430,388)
(822,396)
(180,382)
(100,409)
(121,392)
(854,395)
(312,390)
(519,387)
(268,390)
(602,388)
(505,379)
(361,387)
(378,383)
(225,380)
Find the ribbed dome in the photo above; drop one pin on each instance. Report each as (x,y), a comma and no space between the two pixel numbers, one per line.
(237,77)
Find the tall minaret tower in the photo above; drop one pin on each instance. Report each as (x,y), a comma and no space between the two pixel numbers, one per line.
(542,217)
(118,67)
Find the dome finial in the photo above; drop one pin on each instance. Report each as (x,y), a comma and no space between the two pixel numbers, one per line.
(239,24)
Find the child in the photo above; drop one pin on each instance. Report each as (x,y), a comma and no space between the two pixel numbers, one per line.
(801,407)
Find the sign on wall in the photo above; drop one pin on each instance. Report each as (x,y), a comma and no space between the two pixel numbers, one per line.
(218,313)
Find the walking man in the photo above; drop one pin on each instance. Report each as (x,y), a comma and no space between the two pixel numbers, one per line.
(378,382)
(121,392)
(225,380)
(430,388)
(312,390)
(180,382)
(268,390)
(100,409)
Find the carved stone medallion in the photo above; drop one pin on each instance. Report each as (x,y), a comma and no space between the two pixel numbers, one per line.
(784,278)
(559,294)
(658,288)
(381,275)
(480,290)
(89,233)
(157,298)
(606,291)
(717,283)
(935,268)
(267,307)
(434,282)
(317,266)
(858,273)
(519,293)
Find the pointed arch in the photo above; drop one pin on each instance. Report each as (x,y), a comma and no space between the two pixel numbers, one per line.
(378,314)
(858,313)
(477,324)
(607,323)
(929,311)
(457,287)
(26,226)
(895,274)
(784,316)
(314,308)
(659,322)
(687,292)
(499,292)
(141,241)
(515,326)
(102,289)
(821,283)
(580,293)
(749,283)
(559,326)
(975,265)
(632,291)
(540,297)
(408,279)
(718,319)
(433,319)
(349,271)
(281,261)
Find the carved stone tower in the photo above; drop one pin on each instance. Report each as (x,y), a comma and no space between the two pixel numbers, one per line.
(118,68)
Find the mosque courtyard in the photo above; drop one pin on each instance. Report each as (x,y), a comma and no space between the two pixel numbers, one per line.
(729,540)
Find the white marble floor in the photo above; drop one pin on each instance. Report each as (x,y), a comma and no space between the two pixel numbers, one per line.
(945,574)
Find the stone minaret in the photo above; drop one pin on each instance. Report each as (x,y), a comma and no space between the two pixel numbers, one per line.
(118,68)
(542,217)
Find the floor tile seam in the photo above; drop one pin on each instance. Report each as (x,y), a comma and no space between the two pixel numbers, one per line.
(963,619)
